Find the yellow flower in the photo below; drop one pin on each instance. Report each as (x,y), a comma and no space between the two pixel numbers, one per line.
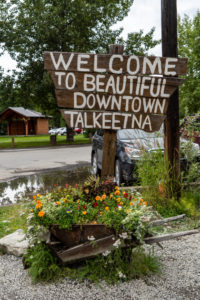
(41,214)
(38,195)
(117,188)
(95,222)
(119,199)
(84,212)
(86,191)
(101,213)
(128,211)
(31,210)
(111,196)
(117,192)
(106,208)
(104,197)
(131,203)
(58,202)
(78,201)
(121,203)
(98,198)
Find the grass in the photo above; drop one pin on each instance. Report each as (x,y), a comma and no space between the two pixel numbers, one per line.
(13,217)
(39,141)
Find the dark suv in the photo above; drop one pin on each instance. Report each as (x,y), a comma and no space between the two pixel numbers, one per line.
(130,145)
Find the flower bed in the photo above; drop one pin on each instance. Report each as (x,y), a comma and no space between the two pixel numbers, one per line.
(100,218)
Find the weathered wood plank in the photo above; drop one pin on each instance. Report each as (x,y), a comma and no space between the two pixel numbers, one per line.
(112,120)
(107,62)
(167,220)
(86,250)
(147,86)
(170,236)
(93,101)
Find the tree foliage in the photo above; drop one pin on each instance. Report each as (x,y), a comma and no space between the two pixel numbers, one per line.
(30,27)
(189,46)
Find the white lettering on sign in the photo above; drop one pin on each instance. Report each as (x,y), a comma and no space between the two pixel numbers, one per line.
(169,65)
(61,61)
(119,103)
(81,62)
(70,81)
(117,64)
(108,120)
(111,62)
(130,60)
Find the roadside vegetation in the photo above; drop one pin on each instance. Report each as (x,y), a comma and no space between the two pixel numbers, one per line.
(39,141)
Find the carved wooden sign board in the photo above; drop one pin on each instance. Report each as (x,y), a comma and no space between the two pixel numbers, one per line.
(114,91)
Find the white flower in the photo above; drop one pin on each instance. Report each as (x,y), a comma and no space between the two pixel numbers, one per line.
(91,238)
(117,243)
(121,275)
(106,253)
(123,235)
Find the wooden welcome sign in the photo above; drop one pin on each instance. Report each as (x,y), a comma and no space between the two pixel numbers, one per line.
(114,91)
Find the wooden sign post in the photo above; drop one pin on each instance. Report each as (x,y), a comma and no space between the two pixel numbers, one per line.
(110,137)
(113,91)
(172,134)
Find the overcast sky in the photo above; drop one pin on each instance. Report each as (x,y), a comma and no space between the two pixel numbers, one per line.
(144,14)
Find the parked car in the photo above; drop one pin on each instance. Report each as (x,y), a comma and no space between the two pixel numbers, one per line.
(130,145)
(78,130)
(59,131)
(62,131)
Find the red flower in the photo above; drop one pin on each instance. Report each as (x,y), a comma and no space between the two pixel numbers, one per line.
(95,204)
(84,206)
(125,195)
(67,185)
(130,197)
(76,185)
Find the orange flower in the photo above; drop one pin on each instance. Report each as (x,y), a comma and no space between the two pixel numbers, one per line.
(39,202)
(117,188)
(106,208)
(140,203)
(104,197)
(121,203)
(84,212)
(34,197)
(41,214)
(95,222)
(141,200)
(135,199)
(118,199)
(98,198)
(145,203)
(131,203)
(58,202)
(117,192)
(38,206)
(111,196)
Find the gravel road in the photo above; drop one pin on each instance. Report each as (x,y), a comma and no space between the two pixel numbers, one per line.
(180,279)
